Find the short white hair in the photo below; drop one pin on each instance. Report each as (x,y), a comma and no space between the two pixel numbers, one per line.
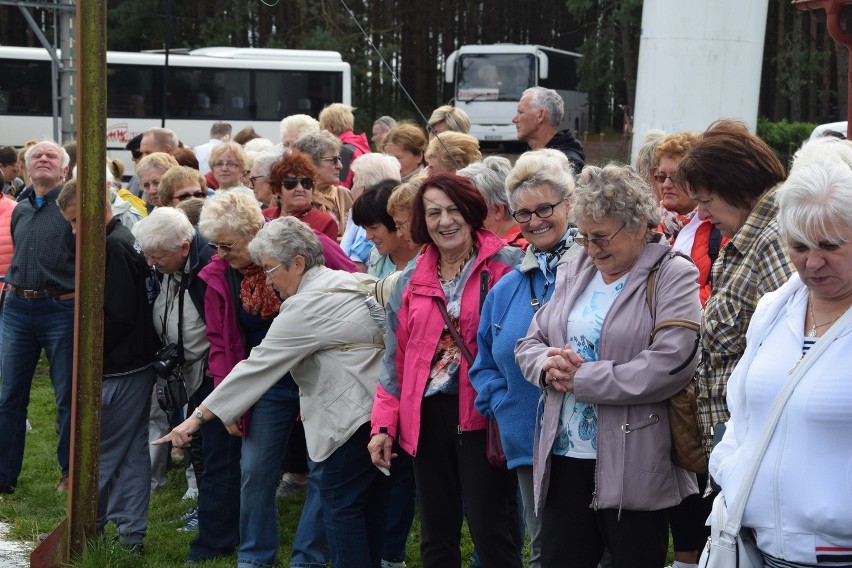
(815,202)
(370,169)
(165,228)
(304,123)
(66,159)
(817,149)
(549,101)
(489,176)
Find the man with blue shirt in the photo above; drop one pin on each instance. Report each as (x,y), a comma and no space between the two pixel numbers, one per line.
(39,311)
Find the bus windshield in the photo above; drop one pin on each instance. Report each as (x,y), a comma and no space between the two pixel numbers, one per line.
(495,76)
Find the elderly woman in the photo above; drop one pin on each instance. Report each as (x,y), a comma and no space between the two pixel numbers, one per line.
(258,174)
(324,150)
(381,126)
(602,468)
(292,180)
(448,118)
(400,204)
(294,126)
(368,171)
(407,143)
(807,459)
(739,199)
(328,336)
(149,171)
(451,151)
(181,183)
(229,164)
(390,251)
(646,159)
(540,189)
(489,175)
(425,398)
(338,119)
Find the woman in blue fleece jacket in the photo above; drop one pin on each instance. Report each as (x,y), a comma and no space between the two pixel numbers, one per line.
(540,188)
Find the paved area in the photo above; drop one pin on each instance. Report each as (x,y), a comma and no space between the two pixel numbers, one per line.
(13,554)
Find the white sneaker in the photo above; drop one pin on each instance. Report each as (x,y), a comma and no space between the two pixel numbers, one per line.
(289,485)
(191,493)
(389,564)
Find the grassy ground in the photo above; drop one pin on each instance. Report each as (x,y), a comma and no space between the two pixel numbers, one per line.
(36,508)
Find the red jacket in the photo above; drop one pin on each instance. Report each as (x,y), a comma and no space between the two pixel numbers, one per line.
(415,327)
(359,141)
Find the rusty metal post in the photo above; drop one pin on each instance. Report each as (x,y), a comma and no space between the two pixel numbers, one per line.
(88,325)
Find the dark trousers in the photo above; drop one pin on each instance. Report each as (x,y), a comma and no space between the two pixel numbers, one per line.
(572,533)
(687,519)
(452,472)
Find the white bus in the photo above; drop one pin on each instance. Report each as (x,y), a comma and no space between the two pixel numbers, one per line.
(243,86)
(487,82)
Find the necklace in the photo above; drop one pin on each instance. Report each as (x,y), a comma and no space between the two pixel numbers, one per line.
(814,326)
(464,261)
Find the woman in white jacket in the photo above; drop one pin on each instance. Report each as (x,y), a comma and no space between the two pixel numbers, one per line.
(800,506)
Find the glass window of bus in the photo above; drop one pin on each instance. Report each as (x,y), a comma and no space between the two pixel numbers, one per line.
(495,76)
(133,91)
(282,93)
(219,94)
(25,87)
(563,72)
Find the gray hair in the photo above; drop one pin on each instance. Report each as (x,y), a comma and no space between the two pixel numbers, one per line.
(165,228)
(540,167)
(285,238)
(231,211)
(304,123)
(66,159)
(316,144)
(549,101)
(264,161)
(373,168)
(489,176)
(385,123)
(646,157)
(816,149)
(163,137)
(615,191)
(814,204)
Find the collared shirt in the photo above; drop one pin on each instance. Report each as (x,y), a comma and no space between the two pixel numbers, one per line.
(753,263)
(45,247)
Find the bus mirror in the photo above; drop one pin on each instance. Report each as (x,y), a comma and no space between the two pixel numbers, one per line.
(542,64)
(450,69)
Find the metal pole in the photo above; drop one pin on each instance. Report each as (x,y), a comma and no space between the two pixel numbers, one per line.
(88,324)
(55,67)
(166,67)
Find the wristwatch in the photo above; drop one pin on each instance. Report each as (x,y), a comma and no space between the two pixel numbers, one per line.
(200,415)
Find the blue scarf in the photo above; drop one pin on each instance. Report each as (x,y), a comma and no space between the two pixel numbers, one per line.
(547,260)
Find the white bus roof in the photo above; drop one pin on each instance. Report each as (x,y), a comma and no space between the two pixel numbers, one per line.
(509,48)
(266,53)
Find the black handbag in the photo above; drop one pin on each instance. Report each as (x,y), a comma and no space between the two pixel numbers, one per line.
(170,386)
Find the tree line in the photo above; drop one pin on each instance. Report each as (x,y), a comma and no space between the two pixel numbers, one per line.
(803,76)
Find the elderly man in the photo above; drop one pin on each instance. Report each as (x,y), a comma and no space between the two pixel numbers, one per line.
(158,140)
(39,312)
(537,121)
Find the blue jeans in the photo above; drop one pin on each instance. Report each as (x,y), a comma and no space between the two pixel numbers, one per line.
(310,547)
(354,502)
(219,490)
(272,417)
(29,326)
(402,505)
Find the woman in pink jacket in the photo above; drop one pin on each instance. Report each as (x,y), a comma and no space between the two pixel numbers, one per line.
(425,399)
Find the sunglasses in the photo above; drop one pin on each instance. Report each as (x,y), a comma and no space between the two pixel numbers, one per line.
(331,159)
(584,241)
(290,183)
(661,178)
(185,196)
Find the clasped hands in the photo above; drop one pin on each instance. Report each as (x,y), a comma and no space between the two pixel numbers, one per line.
(559,369)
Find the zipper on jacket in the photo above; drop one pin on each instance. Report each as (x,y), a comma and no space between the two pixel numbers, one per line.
(459,431)
(594,500)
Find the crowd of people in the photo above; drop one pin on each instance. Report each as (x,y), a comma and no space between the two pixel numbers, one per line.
(421,329)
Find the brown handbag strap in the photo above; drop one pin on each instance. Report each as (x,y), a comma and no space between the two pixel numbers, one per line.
(671,322)
(453,331)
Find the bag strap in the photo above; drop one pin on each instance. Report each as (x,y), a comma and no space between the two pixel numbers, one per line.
(671,322)
(453,331)
(736,509)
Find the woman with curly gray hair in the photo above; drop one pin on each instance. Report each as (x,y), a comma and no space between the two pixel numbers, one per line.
(602,470)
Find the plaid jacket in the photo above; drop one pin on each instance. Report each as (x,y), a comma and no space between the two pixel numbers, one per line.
(753,263)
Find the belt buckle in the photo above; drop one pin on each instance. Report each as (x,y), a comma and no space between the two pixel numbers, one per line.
(31,294)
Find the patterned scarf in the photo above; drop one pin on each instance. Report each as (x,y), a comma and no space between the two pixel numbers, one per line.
(256,296)
(547,260)
(671,223)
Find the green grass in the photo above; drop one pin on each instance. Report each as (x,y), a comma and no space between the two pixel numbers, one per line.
(36,508)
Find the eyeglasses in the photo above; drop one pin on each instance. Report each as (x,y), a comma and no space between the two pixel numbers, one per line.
(185,196)
(252,178)
(228,165)
(400,224)
(227,248)
(600,243)
(542,212)
(661,178)
(270,271)
(290,183)
(331,159)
